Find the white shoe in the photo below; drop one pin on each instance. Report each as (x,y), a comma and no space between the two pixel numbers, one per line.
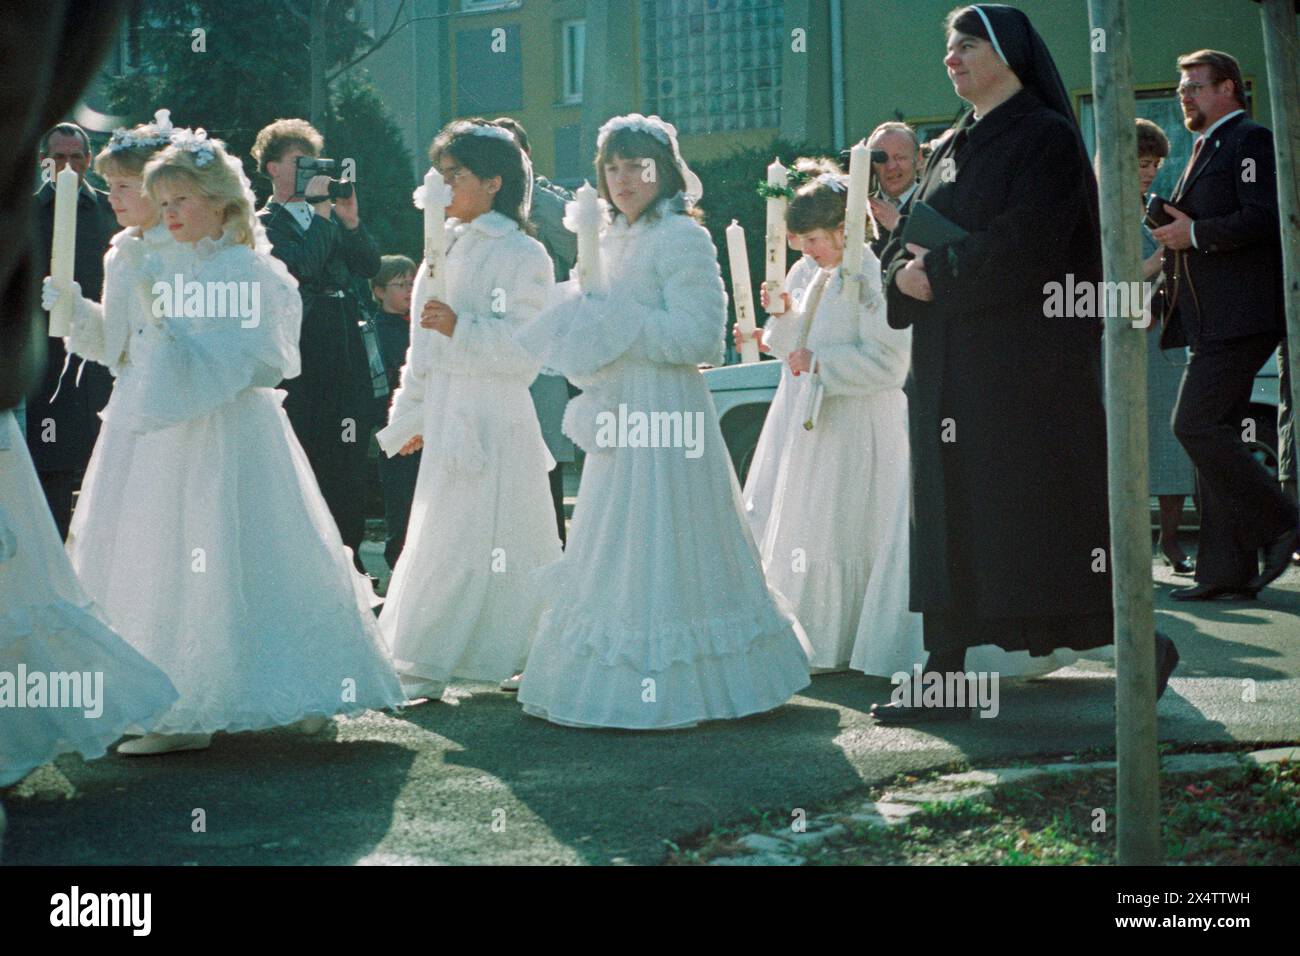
(414,687)
(311,725)
(511,684)
(151,744)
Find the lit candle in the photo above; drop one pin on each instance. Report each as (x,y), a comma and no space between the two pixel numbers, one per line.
(855,217)
(436,198)
(741,291)
(587,218)
(63,251)
(774,274)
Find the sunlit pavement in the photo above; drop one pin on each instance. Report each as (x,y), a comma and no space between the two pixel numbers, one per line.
(473,780)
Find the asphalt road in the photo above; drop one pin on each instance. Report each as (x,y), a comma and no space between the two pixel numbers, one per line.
(474,781)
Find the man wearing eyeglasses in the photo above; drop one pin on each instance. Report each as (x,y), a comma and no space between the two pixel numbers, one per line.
(1224,299)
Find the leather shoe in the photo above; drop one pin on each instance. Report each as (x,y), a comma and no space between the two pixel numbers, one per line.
(1210,592)
(1166,661)
(1183,565)
(898,713)
(1277,556)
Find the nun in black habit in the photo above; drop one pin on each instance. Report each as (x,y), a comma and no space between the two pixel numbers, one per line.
(1010,540)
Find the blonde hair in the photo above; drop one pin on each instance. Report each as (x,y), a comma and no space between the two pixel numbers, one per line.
(276,139)
(126,162)
(221,179)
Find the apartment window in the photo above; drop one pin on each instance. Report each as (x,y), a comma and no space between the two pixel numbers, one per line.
(488,81)
(574,58)
(713,65)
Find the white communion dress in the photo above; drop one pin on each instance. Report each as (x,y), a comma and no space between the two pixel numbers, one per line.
(200,529)
(659,616)
(68,682)
(829,507)
(463,599)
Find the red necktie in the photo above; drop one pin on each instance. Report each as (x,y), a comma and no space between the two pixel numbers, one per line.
(1187,170)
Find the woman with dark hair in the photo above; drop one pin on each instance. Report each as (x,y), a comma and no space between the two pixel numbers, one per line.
(1007,426)
(659,616)
(461,603)
(1171,474)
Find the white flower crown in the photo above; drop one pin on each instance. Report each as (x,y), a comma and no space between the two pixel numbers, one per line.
(837,183)
(157,134)
(194,141)
(481,129)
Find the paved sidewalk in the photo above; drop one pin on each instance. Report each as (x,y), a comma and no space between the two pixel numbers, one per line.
(475,781)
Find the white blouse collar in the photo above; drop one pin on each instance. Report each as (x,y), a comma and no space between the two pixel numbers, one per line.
(491,223)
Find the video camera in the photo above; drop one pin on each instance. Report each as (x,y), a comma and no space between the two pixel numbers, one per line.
(309,167)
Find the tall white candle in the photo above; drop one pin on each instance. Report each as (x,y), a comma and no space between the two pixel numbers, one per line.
(774,273)
(436,198)
(741,291)
(855,217)
(590,274)
(63,251)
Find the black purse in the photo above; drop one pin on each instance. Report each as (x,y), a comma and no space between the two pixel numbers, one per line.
(1155,213)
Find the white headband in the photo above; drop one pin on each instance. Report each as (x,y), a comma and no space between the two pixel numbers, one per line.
(993,37)
(666,133)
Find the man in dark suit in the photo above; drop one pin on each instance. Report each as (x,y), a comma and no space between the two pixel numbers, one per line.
(331,404)
(1223,271)
(897,176)
(63,414)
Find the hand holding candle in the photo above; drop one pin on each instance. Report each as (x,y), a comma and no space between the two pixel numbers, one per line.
(855,218)
(63,251)
(741,291)
(774,272)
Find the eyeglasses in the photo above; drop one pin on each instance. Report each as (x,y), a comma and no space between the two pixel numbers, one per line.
(452,174)
(404,284)
(1191,87)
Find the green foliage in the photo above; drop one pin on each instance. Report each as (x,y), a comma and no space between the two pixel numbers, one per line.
(256,69)
(359,127)
(730,192)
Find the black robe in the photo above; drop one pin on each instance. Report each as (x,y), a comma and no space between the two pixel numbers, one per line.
(1010,514)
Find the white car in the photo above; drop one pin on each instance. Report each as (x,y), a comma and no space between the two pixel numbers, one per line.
(742,394)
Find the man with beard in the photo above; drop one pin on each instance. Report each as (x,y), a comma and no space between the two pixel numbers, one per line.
(1223,272)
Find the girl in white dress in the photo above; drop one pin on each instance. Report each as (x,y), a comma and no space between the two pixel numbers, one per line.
(49,626)
(658,613)
(463,599)
(200,529)
(829,507)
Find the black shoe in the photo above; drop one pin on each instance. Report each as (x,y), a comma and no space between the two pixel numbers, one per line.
(1210,592)
(1277,556)
(1166,661)
(1183,565)
(897,713)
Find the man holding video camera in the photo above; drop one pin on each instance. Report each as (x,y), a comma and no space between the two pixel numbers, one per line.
(315,228)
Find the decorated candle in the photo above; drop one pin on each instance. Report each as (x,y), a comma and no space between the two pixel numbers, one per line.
(436,198)
(741,291)
(855,217)
(774,273)
(63,251)
(587,219)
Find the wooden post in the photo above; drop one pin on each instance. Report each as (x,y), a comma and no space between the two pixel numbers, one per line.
(1138,768)
(1277,17)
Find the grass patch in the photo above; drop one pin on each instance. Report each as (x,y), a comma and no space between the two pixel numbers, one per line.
(1235,817)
